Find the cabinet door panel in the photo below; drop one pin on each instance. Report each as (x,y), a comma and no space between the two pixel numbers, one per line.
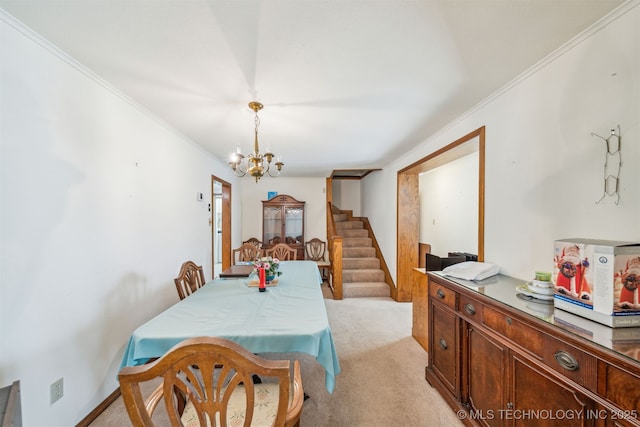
(443,346)
(619,417)
(293,225)
(623,389)
(541,400)
(487,373)
(272,224)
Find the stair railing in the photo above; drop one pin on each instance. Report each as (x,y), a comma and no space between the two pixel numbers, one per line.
(335,254)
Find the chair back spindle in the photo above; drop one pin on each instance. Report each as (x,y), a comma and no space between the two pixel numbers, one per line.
(248,252)
(283,252)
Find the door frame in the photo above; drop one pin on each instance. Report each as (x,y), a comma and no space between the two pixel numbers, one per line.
(408,207)
(226,225)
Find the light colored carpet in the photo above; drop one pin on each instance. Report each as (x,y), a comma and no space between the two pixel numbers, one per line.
(382,373)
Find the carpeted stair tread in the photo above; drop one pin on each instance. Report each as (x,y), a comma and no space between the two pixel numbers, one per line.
(340,218)
(351,242)
(362,275)
(365,289)
(358,252)
(349,225)
(349,233)
(363,262)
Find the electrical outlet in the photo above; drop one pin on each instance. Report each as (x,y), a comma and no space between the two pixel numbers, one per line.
(56,391)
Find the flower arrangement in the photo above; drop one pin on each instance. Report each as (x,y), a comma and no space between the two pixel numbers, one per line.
(271,266)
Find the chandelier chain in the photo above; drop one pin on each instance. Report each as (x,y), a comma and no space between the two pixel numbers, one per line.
(257,122)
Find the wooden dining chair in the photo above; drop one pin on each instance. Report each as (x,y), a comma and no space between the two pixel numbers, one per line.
(275,240)
(283,252)
(190,279)
(254,241)
(315,250)
(246,252)
(209,381)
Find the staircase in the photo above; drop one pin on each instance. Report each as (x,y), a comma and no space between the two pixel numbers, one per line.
(361,273)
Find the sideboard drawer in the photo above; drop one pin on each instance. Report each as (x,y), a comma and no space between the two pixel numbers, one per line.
(520,333)
(470,309)
(443,294)
(571,362)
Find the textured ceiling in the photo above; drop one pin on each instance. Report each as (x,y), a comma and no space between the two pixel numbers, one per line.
(345,84)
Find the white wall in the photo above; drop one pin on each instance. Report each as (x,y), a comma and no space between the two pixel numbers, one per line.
(308,190)
(98,212)
(449,206)
(544,170)
(347,195)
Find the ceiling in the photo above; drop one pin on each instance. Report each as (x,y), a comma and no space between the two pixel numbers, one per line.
(348,84)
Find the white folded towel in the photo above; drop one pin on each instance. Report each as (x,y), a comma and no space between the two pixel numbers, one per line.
(471,270)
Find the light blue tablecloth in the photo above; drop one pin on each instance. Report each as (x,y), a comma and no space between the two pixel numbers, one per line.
(289,317)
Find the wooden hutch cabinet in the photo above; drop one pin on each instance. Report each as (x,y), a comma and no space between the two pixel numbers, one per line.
(499,360)
(283,222)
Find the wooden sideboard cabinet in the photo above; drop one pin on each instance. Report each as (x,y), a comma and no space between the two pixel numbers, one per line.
(283,222)
(500,359)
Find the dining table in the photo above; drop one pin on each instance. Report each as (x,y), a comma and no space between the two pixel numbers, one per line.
(289,317)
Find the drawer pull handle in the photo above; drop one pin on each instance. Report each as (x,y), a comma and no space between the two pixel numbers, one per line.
(469,308)
(443,344)
(509,320)
(440,293)
(566,360)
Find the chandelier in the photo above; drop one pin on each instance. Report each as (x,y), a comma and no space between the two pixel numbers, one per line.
(256,164)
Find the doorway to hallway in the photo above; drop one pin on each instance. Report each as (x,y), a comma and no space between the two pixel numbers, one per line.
(220,225)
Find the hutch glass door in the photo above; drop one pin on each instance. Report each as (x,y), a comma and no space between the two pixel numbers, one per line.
(293,225)
(272,222)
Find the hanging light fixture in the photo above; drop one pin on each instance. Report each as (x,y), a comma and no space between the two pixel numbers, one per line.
(256,164)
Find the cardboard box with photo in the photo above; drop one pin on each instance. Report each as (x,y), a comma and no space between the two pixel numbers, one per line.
(572,274)
(598,279)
